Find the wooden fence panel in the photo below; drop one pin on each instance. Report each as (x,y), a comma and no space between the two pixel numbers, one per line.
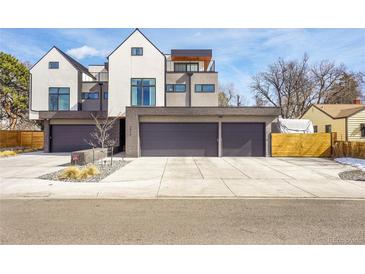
(37,140)
(349,149)
(17,138)
(301,145)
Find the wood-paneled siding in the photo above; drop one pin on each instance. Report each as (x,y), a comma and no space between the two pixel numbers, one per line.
(18,138)
(353,126)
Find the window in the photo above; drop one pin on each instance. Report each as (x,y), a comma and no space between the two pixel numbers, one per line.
(186,67)
(53,65)
(105,95)
(315,129)
(204,88)
(137,51)
(143,92)
(93,95)
(362,129)
(175,88)
(328,129)
(59,98)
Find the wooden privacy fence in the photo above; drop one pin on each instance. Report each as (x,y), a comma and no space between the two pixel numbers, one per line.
(19,138)
(301,145)
(349,149)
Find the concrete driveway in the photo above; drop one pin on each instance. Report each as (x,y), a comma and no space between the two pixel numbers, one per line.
(163,177)
(237,177)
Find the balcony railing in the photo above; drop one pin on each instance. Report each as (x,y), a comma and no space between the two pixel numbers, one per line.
(170,66)
(102,76)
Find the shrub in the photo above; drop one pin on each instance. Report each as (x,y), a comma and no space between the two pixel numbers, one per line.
(74,172)
(92,170)
(71,172)
(7,153)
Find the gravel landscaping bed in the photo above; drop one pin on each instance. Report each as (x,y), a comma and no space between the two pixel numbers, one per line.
(105,170)
(356,175)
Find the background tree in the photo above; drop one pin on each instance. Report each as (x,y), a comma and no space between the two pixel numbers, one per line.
(228,96)
(295,85)
(14,81)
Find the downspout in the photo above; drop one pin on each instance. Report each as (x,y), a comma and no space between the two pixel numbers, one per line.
(101,96)
(189,75)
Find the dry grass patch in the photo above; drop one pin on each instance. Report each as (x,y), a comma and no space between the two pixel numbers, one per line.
(77,173)
(7,153)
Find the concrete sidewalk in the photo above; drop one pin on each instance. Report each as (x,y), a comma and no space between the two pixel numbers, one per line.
(182,188)
(185,177)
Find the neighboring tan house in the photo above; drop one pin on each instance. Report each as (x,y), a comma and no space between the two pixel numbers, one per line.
(347,120)
(167,104)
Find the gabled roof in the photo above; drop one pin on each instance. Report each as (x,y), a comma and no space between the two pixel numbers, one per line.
(72,61)
(337,111)
(136,30)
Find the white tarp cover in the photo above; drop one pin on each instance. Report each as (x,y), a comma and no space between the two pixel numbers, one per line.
(295,126)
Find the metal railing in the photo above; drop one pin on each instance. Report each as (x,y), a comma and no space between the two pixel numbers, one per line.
(170,66)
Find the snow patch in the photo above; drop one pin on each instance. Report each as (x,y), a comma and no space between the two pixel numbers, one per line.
(359,163)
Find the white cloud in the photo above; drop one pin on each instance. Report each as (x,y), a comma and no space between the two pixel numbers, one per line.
(86,51)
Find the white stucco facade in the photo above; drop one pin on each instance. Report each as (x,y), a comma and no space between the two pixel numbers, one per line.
(123,67)
(42,78)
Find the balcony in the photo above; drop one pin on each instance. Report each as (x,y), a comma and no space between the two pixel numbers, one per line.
(191,66)
(100,77)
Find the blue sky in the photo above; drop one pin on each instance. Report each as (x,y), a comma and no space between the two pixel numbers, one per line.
(239,53)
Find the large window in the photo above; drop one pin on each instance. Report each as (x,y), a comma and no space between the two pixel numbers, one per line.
(59,98)
(175,88)
(136,51)
(315,129)
(204,88)
(186,67)
(143,92)
(53,65)
(92,95)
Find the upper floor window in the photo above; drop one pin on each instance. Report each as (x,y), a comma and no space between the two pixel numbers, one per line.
(175,88)
(59,99)
(93,95)
(105,95)
(328,128)
(186,67)
(53,65)
(143,92)
(136,51)
(204,88)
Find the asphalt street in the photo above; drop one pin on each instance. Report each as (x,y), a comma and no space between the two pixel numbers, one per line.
(183,221)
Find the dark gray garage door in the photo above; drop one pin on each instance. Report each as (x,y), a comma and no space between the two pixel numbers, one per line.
(243,139)
(67,138)
(179,139)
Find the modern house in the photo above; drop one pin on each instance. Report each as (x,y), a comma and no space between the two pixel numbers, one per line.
(166,104)
(347,120)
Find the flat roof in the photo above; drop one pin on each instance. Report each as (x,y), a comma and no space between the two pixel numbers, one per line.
(191,52)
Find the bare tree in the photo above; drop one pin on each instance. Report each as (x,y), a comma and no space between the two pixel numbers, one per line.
(346,89)
(226,95)
(284,84)
(294,85)
(229,96)
(101,136)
